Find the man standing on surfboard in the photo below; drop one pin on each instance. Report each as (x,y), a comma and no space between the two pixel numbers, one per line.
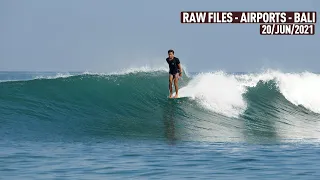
(174,73)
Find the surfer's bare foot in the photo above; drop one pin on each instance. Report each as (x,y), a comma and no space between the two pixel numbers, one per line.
(176,96)
(170,96)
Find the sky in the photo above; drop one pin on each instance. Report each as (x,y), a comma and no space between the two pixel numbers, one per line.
(110,35)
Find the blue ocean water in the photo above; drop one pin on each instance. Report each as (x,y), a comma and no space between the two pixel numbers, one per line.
(122,126)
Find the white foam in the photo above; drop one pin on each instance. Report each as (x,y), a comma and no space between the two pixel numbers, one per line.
(301,89)
(222,93)
(58,75)
(298,88)
(3,81)
(145,68)
(218,92)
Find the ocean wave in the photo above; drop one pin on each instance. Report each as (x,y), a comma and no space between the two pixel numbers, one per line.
(134,103)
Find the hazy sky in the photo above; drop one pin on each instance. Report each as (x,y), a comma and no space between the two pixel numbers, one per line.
(108,35)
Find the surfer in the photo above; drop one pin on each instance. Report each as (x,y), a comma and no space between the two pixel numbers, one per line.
(175,71)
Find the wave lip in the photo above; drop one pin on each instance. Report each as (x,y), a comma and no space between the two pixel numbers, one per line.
(58,75)
(223,93)
(297,88)
(301,89)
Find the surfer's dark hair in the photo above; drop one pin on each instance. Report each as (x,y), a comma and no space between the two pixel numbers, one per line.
(170,50)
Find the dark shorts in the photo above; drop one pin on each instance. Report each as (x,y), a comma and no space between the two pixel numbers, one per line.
(175,75)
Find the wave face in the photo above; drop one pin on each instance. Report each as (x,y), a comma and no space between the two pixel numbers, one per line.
(217,107)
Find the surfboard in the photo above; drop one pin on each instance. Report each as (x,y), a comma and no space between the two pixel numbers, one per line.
(178,98)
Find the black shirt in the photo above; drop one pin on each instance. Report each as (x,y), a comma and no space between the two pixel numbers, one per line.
(173,65)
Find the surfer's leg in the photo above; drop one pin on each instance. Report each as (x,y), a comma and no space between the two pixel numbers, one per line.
(170,85)
(176,85)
